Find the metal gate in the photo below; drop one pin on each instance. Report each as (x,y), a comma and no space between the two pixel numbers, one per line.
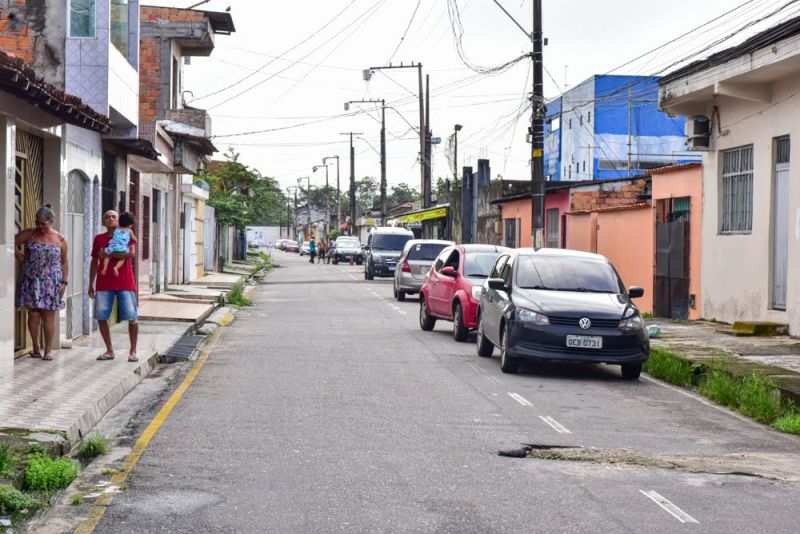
(780,224)
(28,192)
(74,229)
(671,299)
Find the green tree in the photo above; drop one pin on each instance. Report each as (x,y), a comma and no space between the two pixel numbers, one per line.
(242,197)
(400,193)
(367,189)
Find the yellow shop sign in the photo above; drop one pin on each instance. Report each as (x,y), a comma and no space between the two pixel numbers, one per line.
(437,213)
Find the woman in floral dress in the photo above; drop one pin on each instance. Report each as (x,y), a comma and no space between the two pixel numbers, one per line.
(42,278)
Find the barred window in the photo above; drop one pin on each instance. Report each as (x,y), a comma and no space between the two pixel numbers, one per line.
(552,220)
(737,190)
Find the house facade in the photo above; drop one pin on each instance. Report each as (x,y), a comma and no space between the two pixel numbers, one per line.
(610,127)
(745,102)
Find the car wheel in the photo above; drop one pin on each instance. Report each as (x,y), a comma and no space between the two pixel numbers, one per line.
(426,322)
(485,347)
(335,260)
(401,295)
(507,363)
(460,331)
(631,371)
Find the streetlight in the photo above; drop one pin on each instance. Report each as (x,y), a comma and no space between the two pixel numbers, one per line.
(338,191)
(383,147)
(327,196)
(308,200)
(456,129)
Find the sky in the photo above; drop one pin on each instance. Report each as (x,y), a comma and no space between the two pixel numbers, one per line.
(291,65)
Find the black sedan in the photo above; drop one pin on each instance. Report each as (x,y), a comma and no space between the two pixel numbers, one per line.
(561,305)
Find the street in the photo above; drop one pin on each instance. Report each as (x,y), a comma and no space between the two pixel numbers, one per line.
(325,408)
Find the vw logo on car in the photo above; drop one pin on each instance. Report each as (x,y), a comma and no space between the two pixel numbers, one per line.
(585,323)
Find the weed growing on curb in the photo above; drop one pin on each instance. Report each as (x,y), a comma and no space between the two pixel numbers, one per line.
(8,461)
(236,297)
(76,500)
(757,399)
(45,473)
(669,368)
(12,500)
(789,423)
(92,447)
(721,387)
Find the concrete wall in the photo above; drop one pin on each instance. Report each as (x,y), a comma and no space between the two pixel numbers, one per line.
(687,182)
(35,30)
(582,233)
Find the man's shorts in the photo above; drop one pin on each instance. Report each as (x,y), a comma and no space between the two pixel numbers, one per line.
(126,305)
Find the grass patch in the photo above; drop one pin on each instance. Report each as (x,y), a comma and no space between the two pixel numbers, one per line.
(758,399)
(8,461)
(92,447)
(76,500)
(237,297)
(789,423)
(721,387)
(47,474)
(13,501)
(666,366)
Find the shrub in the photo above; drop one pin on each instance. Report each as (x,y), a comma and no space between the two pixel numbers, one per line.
(664,365)
(237,297)
(8,461)
(722,388)
(757,399)
(12,500)
(92,447)
(789,423)
(45,473)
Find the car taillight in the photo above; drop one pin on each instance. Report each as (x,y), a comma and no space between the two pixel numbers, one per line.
(405,267)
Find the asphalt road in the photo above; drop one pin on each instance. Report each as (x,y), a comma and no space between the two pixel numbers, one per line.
(324,408)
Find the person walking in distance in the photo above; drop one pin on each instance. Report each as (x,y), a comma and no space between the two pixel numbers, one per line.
(105,288)
(312,250)
(43,277)
(269,249)
(321,250)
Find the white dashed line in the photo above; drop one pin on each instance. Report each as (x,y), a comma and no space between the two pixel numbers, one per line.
(670,508)
(475,368)
(555,425)
(520,399)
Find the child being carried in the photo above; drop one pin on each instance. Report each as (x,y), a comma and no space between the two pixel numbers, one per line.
(120,242)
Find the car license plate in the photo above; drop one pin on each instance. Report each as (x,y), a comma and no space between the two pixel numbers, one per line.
(391,268)
(585,342)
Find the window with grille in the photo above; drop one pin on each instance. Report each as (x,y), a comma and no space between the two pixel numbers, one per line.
(737,190)
(552,219)
(145,237)
(510,233)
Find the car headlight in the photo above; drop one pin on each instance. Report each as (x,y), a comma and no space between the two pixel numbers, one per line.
(528,316)
(634,322)
(476,292)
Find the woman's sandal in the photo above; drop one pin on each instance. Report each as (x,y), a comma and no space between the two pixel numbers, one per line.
(47,358)
(104,357)
(133,357)
(36,354)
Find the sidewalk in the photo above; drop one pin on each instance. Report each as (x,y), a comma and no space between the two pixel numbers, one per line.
(776,357)
(68,396)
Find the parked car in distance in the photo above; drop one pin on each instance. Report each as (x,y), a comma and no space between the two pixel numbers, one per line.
(452,287)
(383,249)
(346,247)
(291,246)
(304,248)
(563,305)
(415,262)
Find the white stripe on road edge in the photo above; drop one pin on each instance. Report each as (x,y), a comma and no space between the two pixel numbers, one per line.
(558,427)
(475,368)
(496,380)
(673,510)
(353,277)
(520,399)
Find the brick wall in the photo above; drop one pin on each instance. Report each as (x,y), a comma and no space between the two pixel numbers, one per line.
(609,194)
(149,77)
(16,38)
(155,14)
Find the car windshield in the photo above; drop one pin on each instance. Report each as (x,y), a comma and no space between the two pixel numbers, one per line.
(567,274)
(348,243)
(425,251)
(389,241)
(479,264)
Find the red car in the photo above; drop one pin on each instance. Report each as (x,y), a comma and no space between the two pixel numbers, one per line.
(452,288)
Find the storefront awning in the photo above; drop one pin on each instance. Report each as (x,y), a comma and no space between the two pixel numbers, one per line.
(436,212)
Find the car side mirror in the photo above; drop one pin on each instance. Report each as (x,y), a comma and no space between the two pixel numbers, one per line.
(449,271)
(635,292)
(497,283)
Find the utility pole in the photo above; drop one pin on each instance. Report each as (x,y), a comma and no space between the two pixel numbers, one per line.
(352,182)
(630,120)
(338,191)
(456,129)
(383,147)
(427,190)
(327,197)
(422,123)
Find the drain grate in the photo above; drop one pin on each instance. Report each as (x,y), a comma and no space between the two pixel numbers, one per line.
(183,348)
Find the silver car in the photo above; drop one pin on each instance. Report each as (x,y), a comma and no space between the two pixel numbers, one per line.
(415,262)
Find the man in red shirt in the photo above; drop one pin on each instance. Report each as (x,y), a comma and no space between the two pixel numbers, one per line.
(110,286)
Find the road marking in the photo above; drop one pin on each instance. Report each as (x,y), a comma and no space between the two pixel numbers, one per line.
(353,277)
(98,510)
(670,508)
(558,427)
(475,368)
(496,380)
(520,399)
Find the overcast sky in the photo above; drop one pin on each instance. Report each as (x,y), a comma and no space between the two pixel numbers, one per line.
(321,63)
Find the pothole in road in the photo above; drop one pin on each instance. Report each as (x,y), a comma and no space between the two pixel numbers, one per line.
(781,467)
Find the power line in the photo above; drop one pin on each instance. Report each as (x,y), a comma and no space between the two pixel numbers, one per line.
(411,21)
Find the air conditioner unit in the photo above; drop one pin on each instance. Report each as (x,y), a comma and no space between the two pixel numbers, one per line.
(698,133)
